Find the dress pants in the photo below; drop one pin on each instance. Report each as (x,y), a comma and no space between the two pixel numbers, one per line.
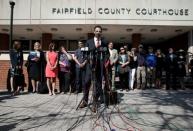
(80,79)
(141,76)
(64,81)
(171,79)
(95,76)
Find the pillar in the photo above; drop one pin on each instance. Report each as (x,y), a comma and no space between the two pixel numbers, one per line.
(4,42)
(136,40)
(46,40)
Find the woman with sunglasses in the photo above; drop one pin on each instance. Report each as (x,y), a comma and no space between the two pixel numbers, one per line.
(123,69)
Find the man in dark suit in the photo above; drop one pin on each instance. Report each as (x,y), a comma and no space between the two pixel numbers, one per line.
(171,69)
(99,55)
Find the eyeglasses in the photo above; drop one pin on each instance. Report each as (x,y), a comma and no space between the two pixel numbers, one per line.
(122,49)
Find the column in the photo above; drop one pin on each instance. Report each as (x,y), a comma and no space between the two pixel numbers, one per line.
(136,40)
(46,40)
(4,42)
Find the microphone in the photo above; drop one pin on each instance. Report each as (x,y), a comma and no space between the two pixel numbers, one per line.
(84,49)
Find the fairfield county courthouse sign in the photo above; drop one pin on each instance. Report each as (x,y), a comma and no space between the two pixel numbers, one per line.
(121,11)
(127,12)
(177,10)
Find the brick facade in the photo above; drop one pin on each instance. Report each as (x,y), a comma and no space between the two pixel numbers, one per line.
(4,67)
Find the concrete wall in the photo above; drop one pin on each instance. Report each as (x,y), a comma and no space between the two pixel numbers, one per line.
(133,12)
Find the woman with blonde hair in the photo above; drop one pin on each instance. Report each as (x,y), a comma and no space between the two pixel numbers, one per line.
(35,60)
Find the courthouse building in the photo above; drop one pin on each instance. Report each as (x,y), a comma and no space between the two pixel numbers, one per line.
(159,23)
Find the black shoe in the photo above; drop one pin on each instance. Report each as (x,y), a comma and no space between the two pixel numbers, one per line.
(76,92)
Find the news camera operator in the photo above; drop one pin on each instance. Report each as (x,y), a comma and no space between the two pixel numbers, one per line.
(99,55)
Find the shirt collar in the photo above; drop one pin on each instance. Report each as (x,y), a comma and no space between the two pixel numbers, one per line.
(95,39)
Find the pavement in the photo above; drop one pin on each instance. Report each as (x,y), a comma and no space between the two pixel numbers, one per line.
(137,110)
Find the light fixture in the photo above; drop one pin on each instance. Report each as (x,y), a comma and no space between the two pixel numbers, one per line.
(122,38)
(78,29)
(104,29)
(62,37)
(29,29)
(82,38)
(153,30)
(22,38)
(5,30)
(54,29)
(12,2)
(178,30)
(129,30)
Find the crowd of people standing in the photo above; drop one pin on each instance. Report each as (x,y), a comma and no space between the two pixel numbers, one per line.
(136,68)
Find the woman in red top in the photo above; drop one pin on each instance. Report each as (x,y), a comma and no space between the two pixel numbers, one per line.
(51,68)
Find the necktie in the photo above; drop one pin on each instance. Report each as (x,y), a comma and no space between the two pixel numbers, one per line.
(97,44)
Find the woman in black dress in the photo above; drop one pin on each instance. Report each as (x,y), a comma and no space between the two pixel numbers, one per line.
(35,59)
(159,67)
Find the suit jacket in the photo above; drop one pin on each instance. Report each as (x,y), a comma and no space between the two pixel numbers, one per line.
(95,52)
(171,65)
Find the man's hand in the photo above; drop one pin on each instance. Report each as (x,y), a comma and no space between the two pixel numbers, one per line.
(35,59)
(123,65)
(112,63)
(107,63)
